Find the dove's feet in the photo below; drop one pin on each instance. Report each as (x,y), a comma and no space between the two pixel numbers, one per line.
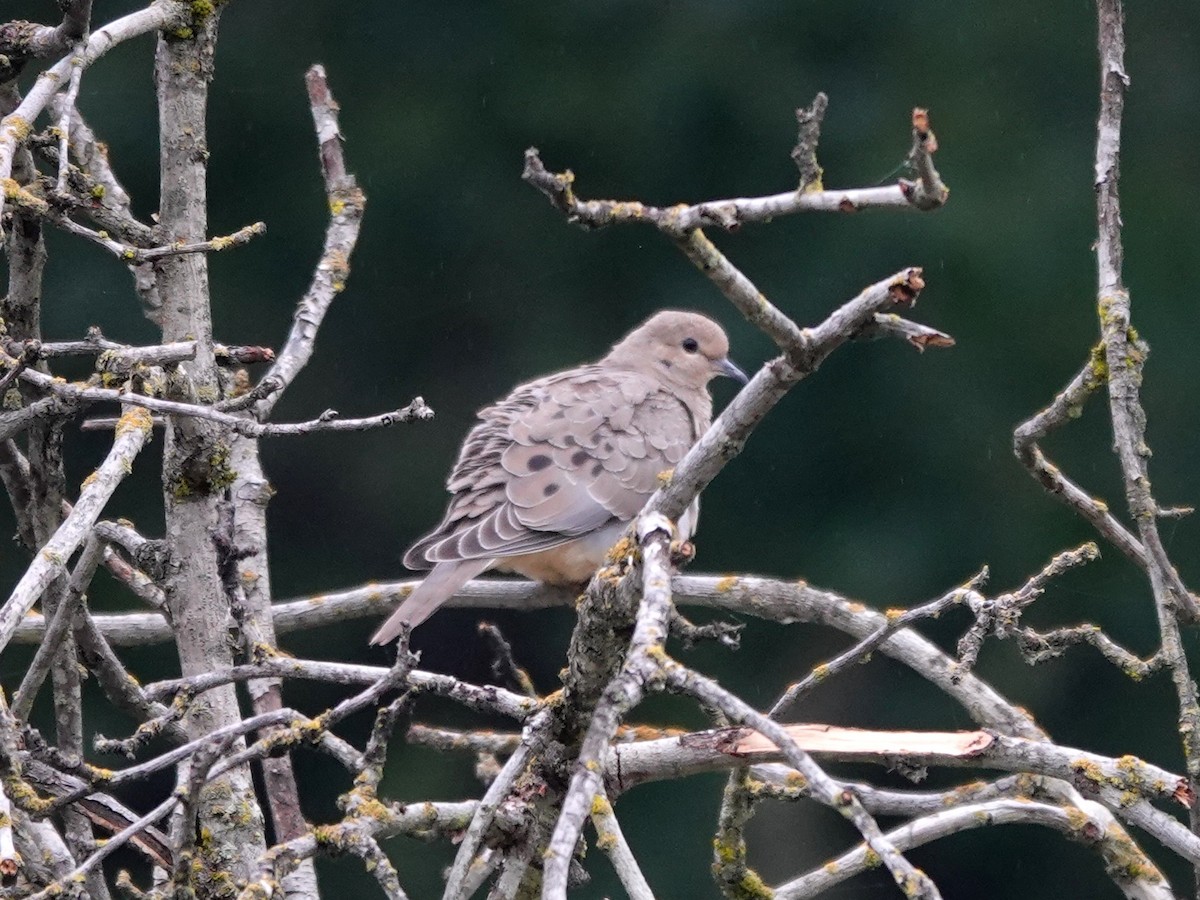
(682,553)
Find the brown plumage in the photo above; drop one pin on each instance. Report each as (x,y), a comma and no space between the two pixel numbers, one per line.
(552,474)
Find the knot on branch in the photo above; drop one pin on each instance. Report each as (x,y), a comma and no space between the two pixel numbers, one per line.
(928,191)
(804,154)
(556,186)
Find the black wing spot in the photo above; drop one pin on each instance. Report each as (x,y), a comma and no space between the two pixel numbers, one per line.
(550,490)
(538,462)
(597,469)
(579,457)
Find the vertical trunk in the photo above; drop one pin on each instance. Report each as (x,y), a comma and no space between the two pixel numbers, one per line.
(251,493)
(196,470)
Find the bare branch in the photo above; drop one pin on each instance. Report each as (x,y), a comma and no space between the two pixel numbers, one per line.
(896,619)
(732,214)
(486,810)
(1125,355)
(638,673)
(918,335)
(1067,405)
(1002,615)
(911,880)
(1130,869)
(137,255)
(52,559)
(28,40)
(15,127)
(804,154)
(729,433)
(416,411)
(61,625)
(722,749)
(117,357)
(611,840)
(67,108)
(346,204)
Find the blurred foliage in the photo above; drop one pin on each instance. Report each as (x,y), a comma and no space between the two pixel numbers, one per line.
(888,476)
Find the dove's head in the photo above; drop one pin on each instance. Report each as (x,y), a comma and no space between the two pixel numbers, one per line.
(683,348)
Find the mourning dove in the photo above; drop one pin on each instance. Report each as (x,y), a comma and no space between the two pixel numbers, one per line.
(550,477)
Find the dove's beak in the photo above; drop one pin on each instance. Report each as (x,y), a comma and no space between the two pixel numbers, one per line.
(729,369)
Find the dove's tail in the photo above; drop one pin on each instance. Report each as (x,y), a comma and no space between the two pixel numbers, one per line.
(439,586)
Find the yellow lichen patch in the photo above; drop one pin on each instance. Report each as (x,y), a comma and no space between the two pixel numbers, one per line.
(893,614)
(19,127)
(796,781)
(135,418)
(369,807)
(752,886)
(1088,770)
(658,654)
(726,584)
(647,732)
(855,608)
(1131,765)
(1076,817)
(24,796)
(601,806)
(620,550)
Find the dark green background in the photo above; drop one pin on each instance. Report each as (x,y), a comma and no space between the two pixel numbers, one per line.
(888,476)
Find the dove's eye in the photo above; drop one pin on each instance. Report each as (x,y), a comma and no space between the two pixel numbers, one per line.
(690,345)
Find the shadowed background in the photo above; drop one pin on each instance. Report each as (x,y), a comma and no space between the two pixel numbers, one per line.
(887,476)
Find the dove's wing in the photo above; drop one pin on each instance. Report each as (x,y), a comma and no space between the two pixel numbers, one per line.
(559,458)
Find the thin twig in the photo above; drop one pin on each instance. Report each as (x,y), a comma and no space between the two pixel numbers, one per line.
(416,411)
(68,108)
(137,255)
(733,213)
(346,204)
(61,625)
(896,619)
(1130,869)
